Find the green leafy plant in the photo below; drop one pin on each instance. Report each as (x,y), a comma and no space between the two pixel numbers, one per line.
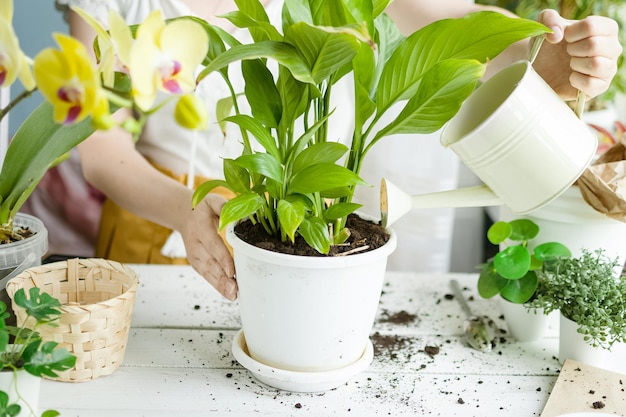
(295,179)
(588,291)
(28,351)
(513,271)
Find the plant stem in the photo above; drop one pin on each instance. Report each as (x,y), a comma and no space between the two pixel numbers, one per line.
(24,94)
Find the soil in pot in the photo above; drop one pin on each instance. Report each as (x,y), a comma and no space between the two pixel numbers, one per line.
(365,235)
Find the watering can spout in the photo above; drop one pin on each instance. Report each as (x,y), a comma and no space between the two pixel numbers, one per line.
(395,203)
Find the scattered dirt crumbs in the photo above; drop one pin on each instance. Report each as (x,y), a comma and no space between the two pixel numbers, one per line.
(598,405)
(400,317)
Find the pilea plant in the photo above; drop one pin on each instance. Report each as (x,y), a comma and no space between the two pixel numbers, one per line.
(297,179)
(587,291)
(512,272)
(28,351)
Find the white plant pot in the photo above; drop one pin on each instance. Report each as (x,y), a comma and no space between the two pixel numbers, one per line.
(28,387)
(307,314)
(525,325)
(573,346)
(572,222)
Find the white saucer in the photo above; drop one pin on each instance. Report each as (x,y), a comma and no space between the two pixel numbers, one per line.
(299,381)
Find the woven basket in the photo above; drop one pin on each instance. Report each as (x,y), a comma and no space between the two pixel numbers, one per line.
(98,297)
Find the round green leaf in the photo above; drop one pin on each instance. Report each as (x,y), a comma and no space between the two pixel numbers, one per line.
(551,250)
(489,282)
(523,230)
(513,262)
(520,290)
(499,232)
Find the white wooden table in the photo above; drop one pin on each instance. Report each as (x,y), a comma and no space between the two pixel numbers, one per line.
(179,363)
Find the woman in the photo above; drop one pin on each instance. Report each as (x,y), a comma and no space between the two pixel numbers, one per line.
(148,178)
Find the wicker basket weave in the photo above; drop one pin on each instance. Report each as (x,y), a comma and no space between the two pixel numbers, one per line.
(98,297)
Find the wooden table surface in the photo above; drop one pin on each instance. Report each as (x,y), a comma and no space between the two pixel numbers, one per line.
(179,363)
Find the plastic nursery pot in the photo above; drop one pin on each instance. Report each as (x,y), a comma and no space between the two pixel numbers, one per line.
(15,257)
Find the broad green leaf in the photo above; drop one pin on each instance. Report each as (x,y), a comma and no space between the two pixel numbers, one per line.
(240,207)
(262,163)
(283,53)
(259,29)
(512,262)
(40,305)
(485,35)
(315,233)
(340,210)
(337,192)
(48,359)
(50,413)
(261,93)
(323,52)
(499,232)
(205,188)
(236,176)
(36,145)
(290,215)
(489,282)
(320,153)
(364,64)
(322,177)
(523,230)
(262,135)
(442,91)
(294,98)
(551,250)
(223,109)
(296,11)
(379,6)
(520,290)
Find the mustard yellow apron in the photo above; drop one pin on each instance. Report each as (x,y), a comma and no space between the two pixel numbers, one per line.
(127,238)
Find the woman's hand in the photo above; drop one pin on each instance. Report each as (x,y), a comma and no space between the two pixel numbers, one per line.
(206,250)
(579,55)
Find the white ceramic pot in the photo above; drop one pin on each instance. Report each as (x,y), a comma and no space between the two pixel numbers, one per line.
(525,325)
(28,387)
(573,346)
(307,314)
(572,222)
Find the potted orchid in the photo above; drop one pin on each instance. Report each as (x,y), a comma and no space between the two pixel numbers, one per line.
(295,181)
(80,96)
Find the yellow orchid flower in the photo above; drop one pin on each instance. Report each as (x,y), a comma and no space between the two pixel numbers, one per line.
(115,44)
(68,79)
(164,57)
(13,62)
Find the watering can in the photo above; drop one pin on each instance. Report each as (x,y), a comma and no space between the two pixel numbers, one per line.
(517,135)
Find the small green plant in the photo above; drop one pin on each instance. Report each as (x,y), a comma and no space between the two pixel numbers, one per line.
(512,272)
(588,291)
(28,351)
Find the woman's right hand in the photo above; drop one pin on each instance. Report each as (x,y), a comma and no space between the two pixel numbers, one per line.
(206,251)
